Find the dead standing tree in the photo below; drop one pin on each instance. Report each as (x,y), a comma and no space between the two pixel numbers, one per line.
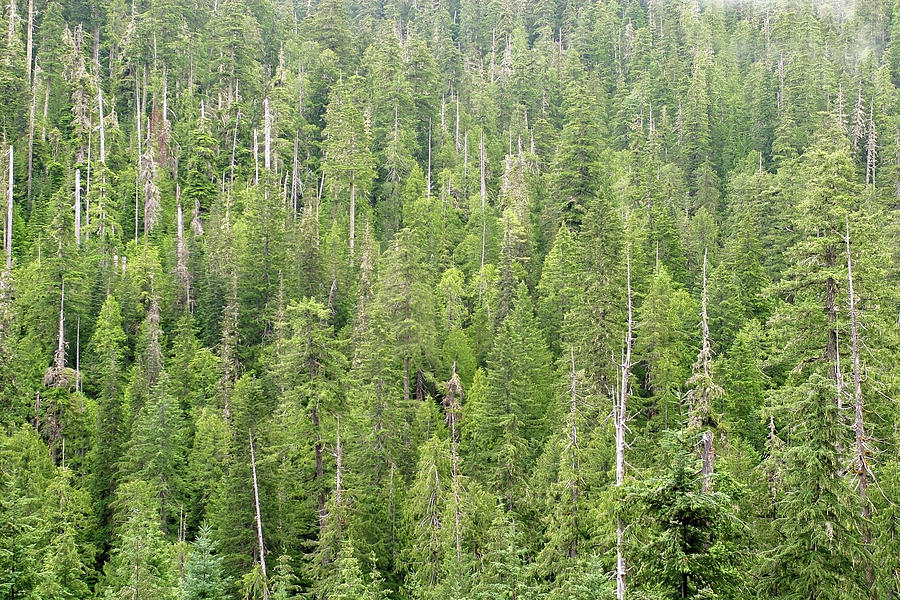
(453,409)
(861,450)
(702,393)
(620,415)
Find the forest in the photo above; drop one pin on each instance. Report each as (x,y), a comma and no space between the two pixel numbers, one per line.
(450,299)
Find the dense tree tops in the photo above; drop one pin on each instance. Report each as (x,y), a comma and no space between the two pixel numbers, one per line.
(450,300)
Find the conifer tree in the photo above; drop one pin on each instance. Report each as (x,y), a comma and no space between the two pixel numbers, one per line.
(204,577)
(819,546)
(141,563)
(513,424)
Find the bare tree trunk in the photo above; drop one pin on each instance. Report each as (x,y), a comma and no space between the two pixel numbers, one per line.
(256,156)
(59,357)
(78,206)
(452,406)
(267,136)
(352,215)
(704,391)
(31,125)
(137,193)
(237,119)
(483,199)
(861,458)
(259,533)
(339,472)
(428,173)
(620,414)
(456,134)
(295,174)
(87,184)
(572,484)
(102,127)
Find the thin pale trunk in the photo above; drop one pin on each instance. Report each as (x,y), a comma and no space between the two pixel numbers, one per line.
(237,119)
(861,457)
(102,127)
(572,484)
(59,358)
(259,532)
(483,200)
(267,137)
(352,216)
(295,173)
(428,174)
(456,134)
(137,193)
(78,206)
(256,156)
(31,125)
(339,472)
(619,414)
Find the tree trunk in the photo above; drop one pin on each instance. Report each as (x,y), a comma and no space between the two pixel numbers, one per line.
(352,215)
(267,137)
(102,127)
(137,185)
(294,175)
(572,484)
(861,458)
(31,125)
(256,156)
(619,414)
(78,206)
(259,533)
(483,200)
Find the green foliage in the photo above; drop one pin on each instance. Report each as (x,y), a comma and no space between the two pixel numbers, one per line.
(300,219)
(691,540)
(204,577)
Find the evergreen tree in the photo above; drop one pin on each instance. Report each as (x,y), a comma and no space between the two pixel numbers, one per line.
(819,547)
(141,563)
(204,577)
(512,425)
